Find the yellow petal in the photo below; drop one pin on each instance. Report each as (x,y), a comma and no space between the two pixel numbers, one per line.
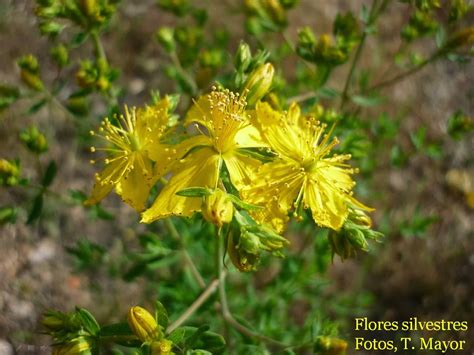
(275,187)
(105,181)
(328,206)
(241,169)
(249,137)
(200,113)
(134,188)
(167,156)
(198,169)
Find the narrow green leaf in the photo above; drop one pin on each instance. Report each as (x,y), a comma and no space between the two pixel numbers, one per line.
(194,192)
(161,315)
(50,173)
(88,321)
(244,205)
(36,209)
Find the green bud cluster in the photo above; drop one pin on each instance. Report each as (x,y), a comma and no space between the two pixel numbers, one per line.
(421,23)
(353,235)
(8,214)
(87,14)
(34,140)
(9,172)
(247,240)
(95,75)
(73,333)
(30,72)
(267,15)
(326,49)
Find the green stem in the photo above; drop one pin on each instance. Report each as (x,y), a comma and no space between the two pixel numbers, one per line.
(99,48)
(403,75)
(177,63)
(187,258)
(194,306)
(373,14)
(225,311)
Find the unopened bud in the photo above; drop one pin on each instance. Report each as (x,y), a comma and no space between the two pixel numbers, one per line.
(330,346)
(464,37)
(259,83)
(243,57)
(217,208)
(34,140)
(31,80)
(162,347)
(8,215)
(276,11)
(60,55)
(79,345)
(143,324)
(165,36)
(89,7)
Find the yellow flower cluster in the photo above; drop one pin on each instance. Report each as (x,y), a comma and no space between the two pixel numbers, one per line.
(223,133)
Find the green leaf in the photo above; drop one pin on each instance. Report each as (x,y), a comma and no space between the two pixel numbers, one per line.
(195,336)
(178,335)
(116,329)
(78,39)
(161,315)
(242,204)
(121,334)
(194,192)
(367,101)
(8,95)
(88,321)
(440,37)
(50,173)
(36,209)
(37,106)
(328,93)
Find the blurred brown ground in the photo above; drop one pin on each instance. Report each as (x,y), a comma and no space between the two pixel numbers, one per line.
(431,278)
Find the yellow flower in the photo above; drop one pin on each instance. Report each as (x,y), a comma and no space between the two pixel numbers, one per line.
(224,128)
(133,145)
(304,174)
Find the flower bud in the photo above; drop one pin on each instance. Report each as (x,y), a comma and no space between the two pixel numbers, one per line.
(34,140)
(60,55)
(8,215)
(79,345)
(330,346)
(143,324)
(54,321)
(217,208)
(259,83)
(276,11)
(50,28)
(165,37)
(243,57)
(89,7)
(464,37)
(33,81)
(458,9)
(30,72)
(162,347)
(9,173)
(241,259)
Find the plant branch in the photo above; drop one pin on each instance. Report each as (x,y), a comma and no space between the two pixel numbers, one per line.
(225,311)
(403,75)
(187,258)
(99,48)
(194,306)
(188,78)
(373,14)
